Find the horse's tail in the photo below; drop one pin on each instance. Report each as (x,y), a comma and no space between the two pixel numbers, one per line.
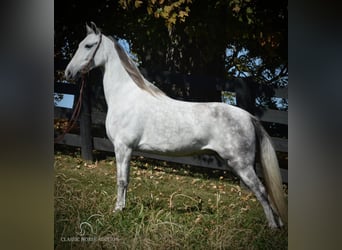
(271,170)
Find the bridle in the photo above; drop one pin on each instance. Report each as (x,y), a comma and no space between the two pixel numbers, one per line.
(87,67)
(77,110)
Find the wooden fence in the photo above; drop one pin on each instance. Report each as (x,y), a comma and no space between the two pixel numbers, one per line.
(89,118)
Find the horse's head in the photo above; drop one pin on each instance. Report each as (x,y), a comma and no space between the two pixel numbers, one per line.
(87,55)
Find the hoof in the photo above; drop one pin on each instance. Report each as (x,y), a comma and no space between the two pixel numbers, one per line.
(118,209)
(274,226)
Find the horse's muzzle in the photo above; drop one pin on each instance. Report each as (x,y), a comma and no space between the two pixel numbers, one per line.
(69,75)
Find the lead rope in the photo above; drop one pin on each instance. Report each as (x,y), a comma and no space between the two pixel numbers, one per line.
(75,115)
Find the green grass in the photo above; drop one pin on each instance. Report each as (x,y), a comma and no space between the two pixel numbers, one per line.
(168,207)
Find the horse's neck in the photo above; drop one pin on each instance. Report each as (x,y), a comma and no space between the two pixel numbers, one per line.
(117,83)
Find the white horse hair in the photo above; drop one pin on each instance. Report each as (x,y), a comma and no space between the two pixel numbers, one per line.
(141,117)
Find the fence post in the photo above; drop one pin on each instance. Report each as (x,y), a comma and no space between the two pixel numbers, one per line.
(85,126)
(245,90)
(245,99)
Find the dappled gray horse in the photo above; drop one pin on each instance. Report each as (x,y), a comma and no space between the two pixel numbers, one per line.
(141,117)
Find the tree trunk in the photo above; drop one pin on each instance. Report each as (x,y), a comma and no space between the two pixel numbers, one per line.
(199,54)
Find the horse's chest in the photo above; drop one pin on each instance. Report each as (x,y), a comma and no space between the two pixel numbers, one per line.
(123,124)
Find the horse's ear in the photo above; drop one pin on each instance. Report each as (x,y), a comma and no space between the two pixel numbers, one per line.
(89,29)
(94,27)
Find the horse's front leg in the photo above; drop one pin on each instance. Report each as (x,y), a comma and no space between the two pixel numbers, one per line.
(123,156)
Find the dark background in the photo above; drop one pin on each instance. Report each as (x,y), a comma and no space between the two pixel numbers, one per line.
(27,77)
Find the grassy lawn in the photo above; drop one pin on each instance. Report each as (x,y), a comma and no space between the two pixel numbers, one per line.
(168,207)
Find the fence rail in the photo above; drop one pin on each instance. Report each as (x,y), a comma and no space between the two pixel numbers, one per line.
(207,161)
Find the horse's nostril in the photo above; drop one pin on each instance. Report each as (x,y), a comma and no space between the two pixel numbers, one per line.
(67,74)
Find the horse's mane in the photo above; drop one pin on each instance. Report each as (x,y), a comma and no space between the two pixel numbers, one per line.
(134,72)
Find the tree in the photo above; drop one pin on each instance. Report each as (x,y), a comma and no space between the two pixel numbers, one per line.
(188,36)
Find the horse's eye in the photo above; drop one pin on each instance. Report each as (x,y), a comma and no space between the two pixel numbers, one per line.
(88,46)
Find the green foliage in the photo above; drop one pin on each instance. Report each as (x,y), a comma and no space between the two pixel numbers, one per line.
(257,26)
(171,11)
(167,208)
(189,37)
(57,98)
(229,97)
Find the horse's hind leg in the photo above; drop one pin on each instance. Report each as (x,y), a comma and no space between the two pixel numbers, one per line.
(123,156)
(249,177)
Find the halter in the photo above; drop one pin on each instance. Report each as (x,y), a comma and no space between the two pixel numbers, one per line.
(86,68)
